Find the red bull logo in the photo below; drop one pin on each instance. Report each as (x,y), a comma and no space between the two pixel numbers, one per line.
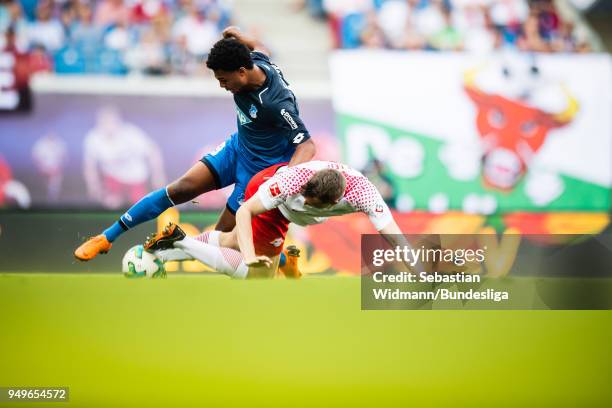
(514,118)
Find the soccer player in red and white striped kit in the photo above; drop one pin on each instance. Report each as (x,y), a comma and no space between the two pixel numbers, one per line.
(304,194)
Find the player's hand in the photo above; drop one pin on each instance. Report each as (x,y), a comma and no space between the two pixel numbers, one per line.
(232,32)
(259,261)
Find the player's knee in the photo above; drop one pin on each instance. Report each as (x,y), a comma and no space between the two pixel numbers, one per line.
(225,224)
(229,239)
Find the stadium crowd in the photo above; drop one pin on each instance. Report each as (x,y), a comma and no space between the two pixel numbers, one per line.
(450,25)
(154,37)
(159,37)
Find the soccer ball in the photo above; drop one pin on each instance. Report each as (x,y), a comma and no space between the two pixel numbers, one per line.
(138,263)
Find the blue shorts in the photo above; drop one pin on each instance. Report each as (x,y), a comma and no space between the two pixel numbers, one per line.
(230,164)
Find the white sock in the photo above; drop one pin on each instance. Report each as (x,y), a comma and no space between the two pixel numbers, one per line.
(224,260)
(174,254)
(209,237)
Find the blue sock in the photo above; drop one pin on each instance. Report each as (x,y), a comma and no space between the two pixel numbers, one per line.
(149,207)
(113,231)
(283,260)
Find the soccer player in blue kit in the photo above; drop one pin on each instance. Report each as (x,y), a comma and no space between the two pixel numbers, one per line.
(270,131)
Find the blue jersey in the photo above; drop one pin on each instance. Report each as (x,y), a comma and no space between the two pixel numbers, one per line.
(269,125)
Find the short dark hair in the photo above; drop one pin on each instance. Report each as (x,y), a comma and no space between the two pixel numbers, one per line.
(327,185)
(229,54)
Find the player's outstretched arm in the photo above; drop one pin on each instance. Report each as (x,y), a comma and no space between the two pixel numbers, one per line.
(234,32)
(245,232)
(394,236)
(304,152)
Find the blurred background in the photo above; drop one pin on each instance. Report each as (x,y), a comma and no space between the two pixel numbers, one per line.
(469,115)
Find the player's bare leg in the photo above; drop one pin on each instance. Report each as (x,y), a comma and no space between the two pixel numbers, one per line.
(224,260)
(197,180)
(172,244)
(226,222)
(229,239)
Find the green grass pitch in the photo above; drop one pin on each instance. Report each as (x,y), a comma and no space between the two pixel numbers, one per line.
(207,341)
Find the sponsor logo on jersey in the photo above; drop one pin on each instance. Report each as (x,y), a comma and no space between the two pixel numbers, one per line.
(253,111)
(277,242)
(298,138)
(379,208)
(289,119)
(275,190)
(244,119)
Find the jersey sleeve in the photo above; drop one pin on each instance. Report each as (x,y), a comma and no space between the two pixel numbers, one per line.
(277,188)
(288,118)
(364,197)
(260,56)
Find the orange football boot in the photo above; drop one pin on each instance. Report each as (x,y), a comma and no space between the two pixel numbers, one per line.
(92,247)
(290,269)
